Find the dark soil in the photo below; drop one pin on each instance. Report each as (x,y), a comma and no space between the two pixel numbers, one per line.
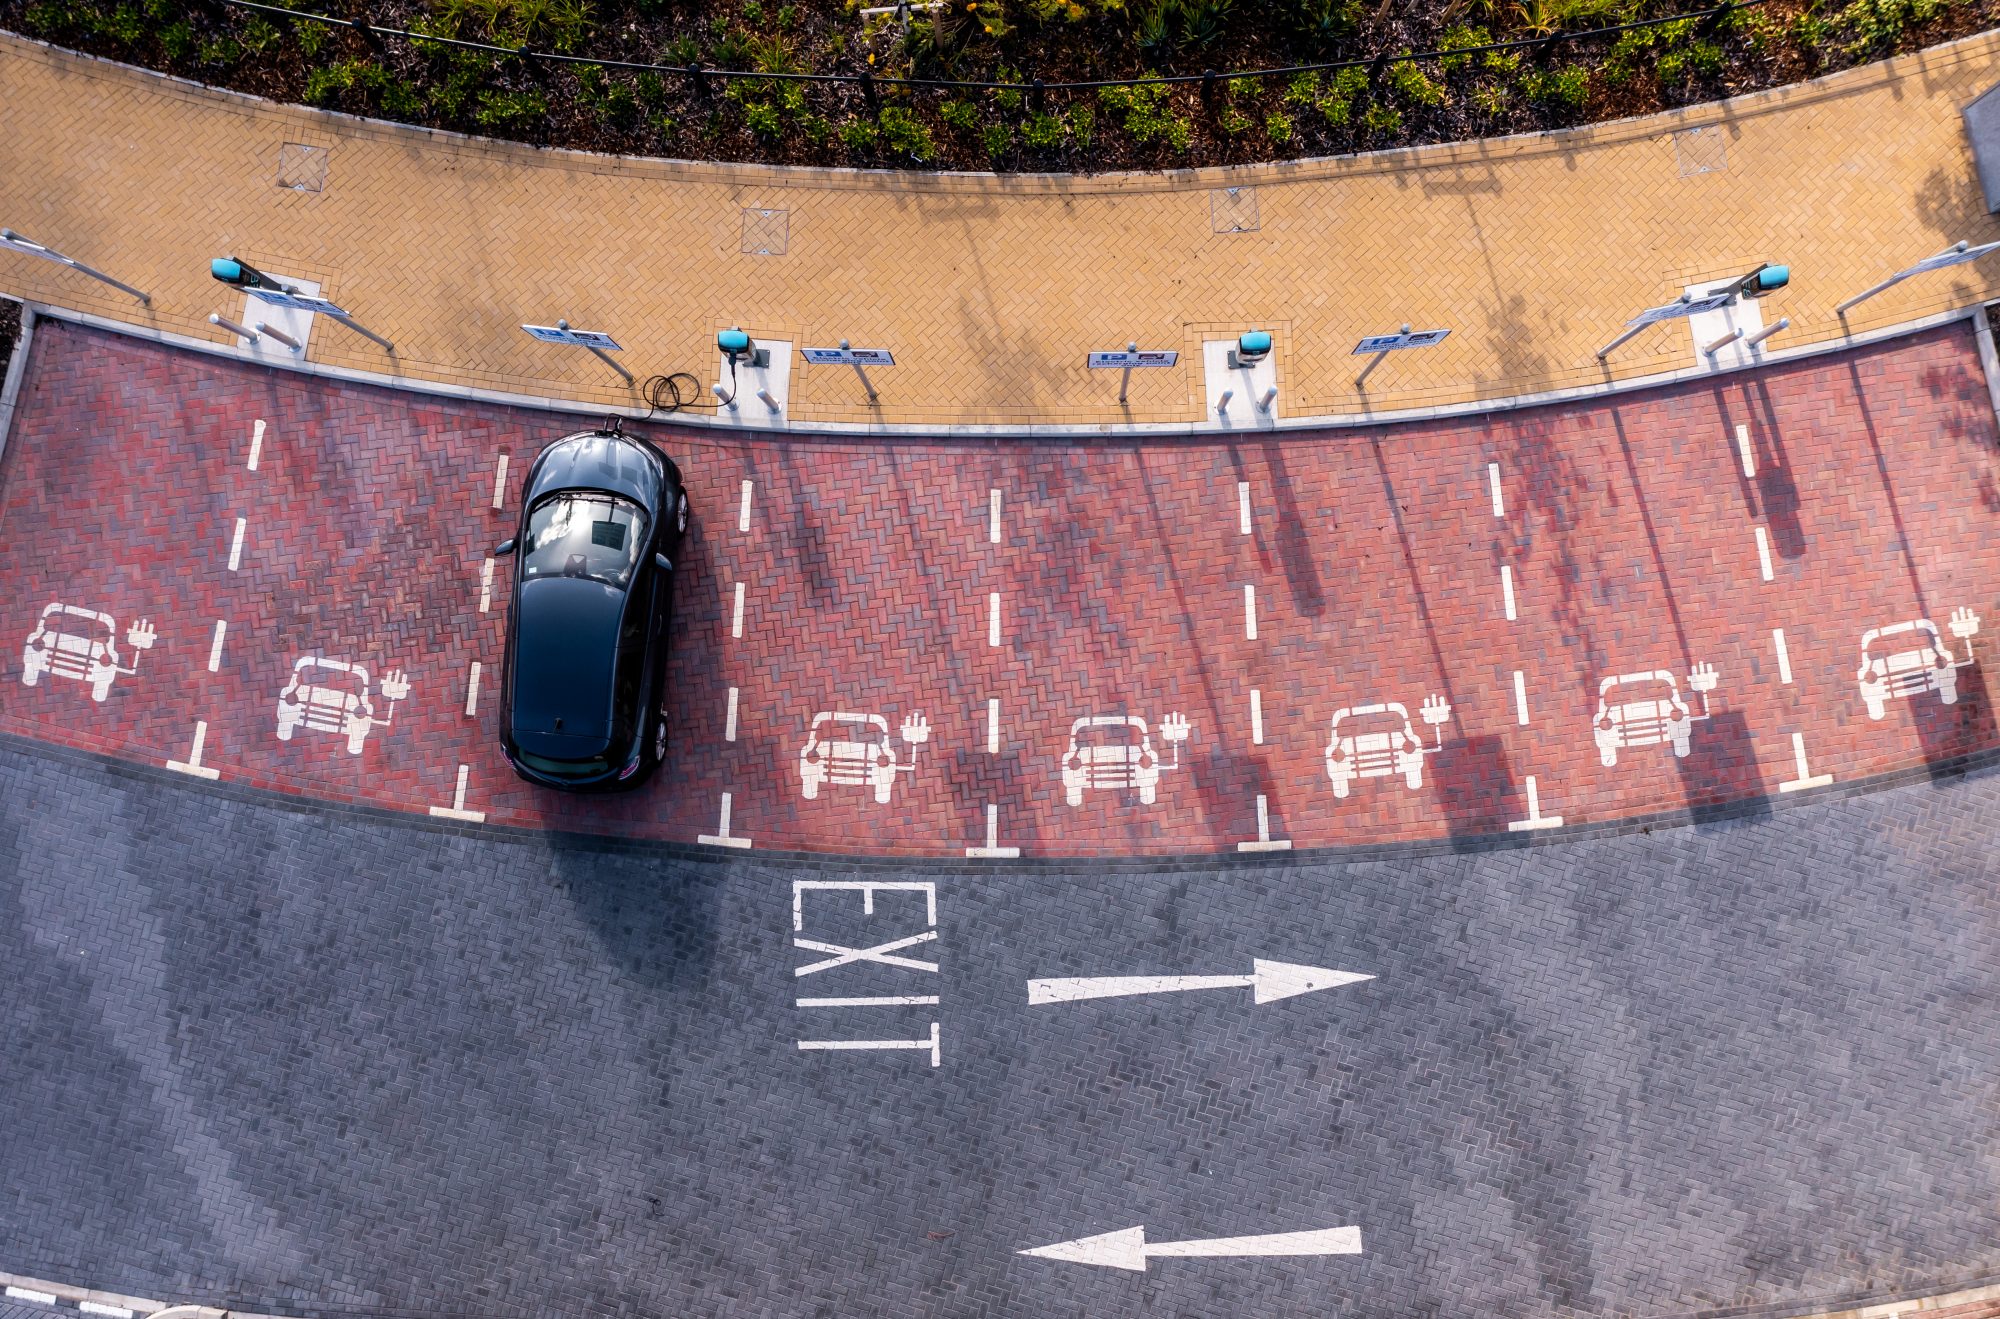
(10,331)
(1578,79)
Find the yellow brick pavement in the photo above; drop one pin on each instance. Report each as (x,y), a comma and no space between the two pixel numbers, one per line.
(1533,249)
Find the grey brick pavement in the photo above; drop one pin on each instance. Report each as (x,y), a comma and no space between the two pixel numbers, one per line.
(331,1061)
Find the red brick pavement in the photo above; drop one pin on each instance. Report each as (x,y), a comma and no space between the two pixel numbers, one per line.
(1629,527)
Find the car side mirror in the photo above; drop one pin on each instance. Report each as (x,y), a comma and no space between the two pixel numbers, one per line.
(666,564)
(504,548)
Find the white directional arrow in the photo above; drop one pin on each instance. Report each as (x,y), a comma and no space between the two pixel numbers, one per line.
(1269,982)
(1128,1249)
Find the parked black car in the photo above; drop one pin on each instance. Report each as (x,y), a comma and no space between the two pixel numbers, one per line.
(583,695)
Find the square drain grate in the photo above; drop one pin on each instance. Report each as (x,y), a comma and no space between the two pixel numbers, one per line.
(1232,210)
(302,168)
(766,232)
(1700,150)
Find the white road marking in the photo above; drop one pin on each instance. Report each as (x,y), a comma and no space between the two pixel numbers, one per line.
(1507,589)
(722,837)
(500,483)
(930,1044)
(192,765)
(882,954)
(486,586)
(1256,717)
(1250,612)
(1268,982)
(1806,778)
(993,517)
(472,691)
(993,848)
(868,888)
(883,1001)
(1784,656)
(993,618)
(236,546)
(1264,842)
(1128,1248)
(215,647)
(1535,820)
(1493,484)
(729,730)
(1521,697)
(256,445)
(1743,449)
(108,1311)
(993,726)
(736,620)
(1763,553)
(23,1294)
(743,509)
(1243,507)
(457,811)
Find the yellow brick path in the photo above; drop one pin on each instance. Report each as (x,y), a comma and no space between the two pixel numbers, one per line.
(1533,249)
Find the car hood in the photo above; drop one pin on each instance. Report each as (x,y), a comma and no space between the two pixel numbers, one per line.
(565,650)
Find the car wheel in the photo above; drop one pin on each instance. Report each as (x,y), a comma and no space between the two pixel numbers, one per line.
(681,512)
(1073,794)
(100,687)
(286,727)
(1414,778)
(1340,786)
(1682,745)
(1948,690)
(1877,707)
(882,790)
(660,740)
(809,786)
(1607,756)
(31,673)
(1149,794)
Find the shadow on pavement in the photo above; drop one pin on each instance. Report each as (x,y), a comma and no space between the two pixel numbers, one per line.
(1720,777)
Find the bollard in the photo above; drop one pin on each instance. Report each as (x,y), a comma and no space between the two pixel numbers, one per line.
(1783,323)
(728,400)
(769,402)
(1724,342)
(1270,397)
(1222,404)
(281,337)
(241,331)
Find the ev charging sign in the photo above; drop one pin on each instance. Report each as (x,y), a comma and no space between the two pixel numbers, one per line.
(305,302)
(848,356)
(575,338)
(1685,307)
(1389,343)
(1133,361)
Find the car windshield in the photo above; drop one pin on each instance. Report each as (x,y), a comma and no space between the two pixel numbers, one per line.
(585,534)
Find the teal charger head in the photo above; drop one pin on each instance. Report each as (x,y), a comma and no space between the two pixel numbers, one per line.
(733,342)
(227,269)
(1255,343)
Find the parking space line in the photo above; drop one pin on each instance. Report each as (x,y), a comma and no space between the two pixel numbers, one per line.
(236,545)
(1256,717)
(457,811)
(882,1001)
(1744,451)
(500,484)
(108,1311)
(472,692)
(1535,820)
(1493,484)
(1521,697)
(729,727)
(743,509)
(1763,553)
(1507,589)
(1250,612)
(993,848)
(993,517)
(485,586)
(192,765)
(1264,842)
(1806,778)
(736,621)
(215,647)
(256,445)
(993,618)
(1243,507)
(1784,656)
(993,726)
(723,838)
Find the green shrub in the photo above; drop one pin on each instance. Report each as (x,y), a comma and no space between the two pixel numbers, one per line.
(123,25)
(1491,100)
(1083,119)
(1322,23)
(312,37)
(763,120)
(177,39)
(1234,121)
(818,130)
(1145,113)
(1875,26)
(510,109)
(683,50)
(1460,37)
(904,132)
(962,115)
(1382,119)
(1279,127)
(221,53)
(1303,89)
(858,134)
(1009,99)
(652,90)
(1414,85)
(788,16)
(451,94)
(257,36)
(996,138)
(1564,89)
(1044,131)
(1242,89)
(753,12)
(1336,104)
(50,19)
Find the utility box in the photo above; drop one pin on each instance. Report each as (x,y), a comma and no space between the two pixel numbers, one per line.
(1982,128)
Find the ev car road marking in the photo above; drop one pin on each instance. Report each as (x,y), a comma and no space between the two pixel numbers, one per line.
(1507,589)
(1268,982)
(1806,778)
(1535,820)
(472,692)
(256,445)
(457,811)
(1250,612)
(736,621)
(993,849)
(1784,657)
(486,586)
(993,517)
(1521,697)
(722,837)
(1243,507)
(500,484)
(993,618)
(1128,1248)
(1763,553)
(729,728)
(192,765)
(993,726)
(1264,842)
(743,509)
(1256,717)
(236,546)
(1493,484)
(1743,449)
(215,647)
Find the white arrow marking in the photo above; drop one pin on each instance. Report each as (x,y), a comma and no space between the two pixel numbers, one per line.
(1127,1248)
(1270,982)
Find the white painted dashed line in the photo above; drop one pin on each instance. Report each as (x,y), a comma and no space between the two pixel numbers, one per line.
(108,1311)
(256,445)
(1507,589)
(192,765)
(993,726)
(457,811)
(729,727)
(1745,452)
(23,1294)
(472,691)
(1763,553)
(215,646)
(993,517)
(1256,717)
(500,483)
(1535,820)
(1784,656)
(1264,842)
(722,837)
(236,545)
(743,508)
(1806,778)
(736,620)
(993,618)
(1521,697)
(1250,612)
(883,1001)
(485,586)
(993,848)
(1243,507)
(1493,484)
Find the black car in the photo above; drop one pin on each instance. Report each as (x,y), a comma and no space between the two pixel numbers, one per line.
(584,691)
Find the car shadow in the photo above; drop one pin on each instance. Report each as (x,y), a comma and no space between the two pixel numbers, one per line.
(1720,775)
(654,919)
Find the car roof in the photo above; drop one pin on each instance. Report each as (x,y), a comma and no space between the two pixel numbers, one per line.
(600,460)
(320,661)
(1897,629)
(1107,721)
(565,656)
(1622,679)
(80,612)
(1396,708)
(850,717)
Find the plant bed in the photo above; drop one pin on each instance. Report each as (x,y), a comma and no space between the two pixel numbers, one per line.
(1426,80)
(10,332)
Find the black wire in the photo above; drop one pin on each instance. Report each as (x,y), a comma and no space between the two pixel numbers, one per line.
(666,394)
